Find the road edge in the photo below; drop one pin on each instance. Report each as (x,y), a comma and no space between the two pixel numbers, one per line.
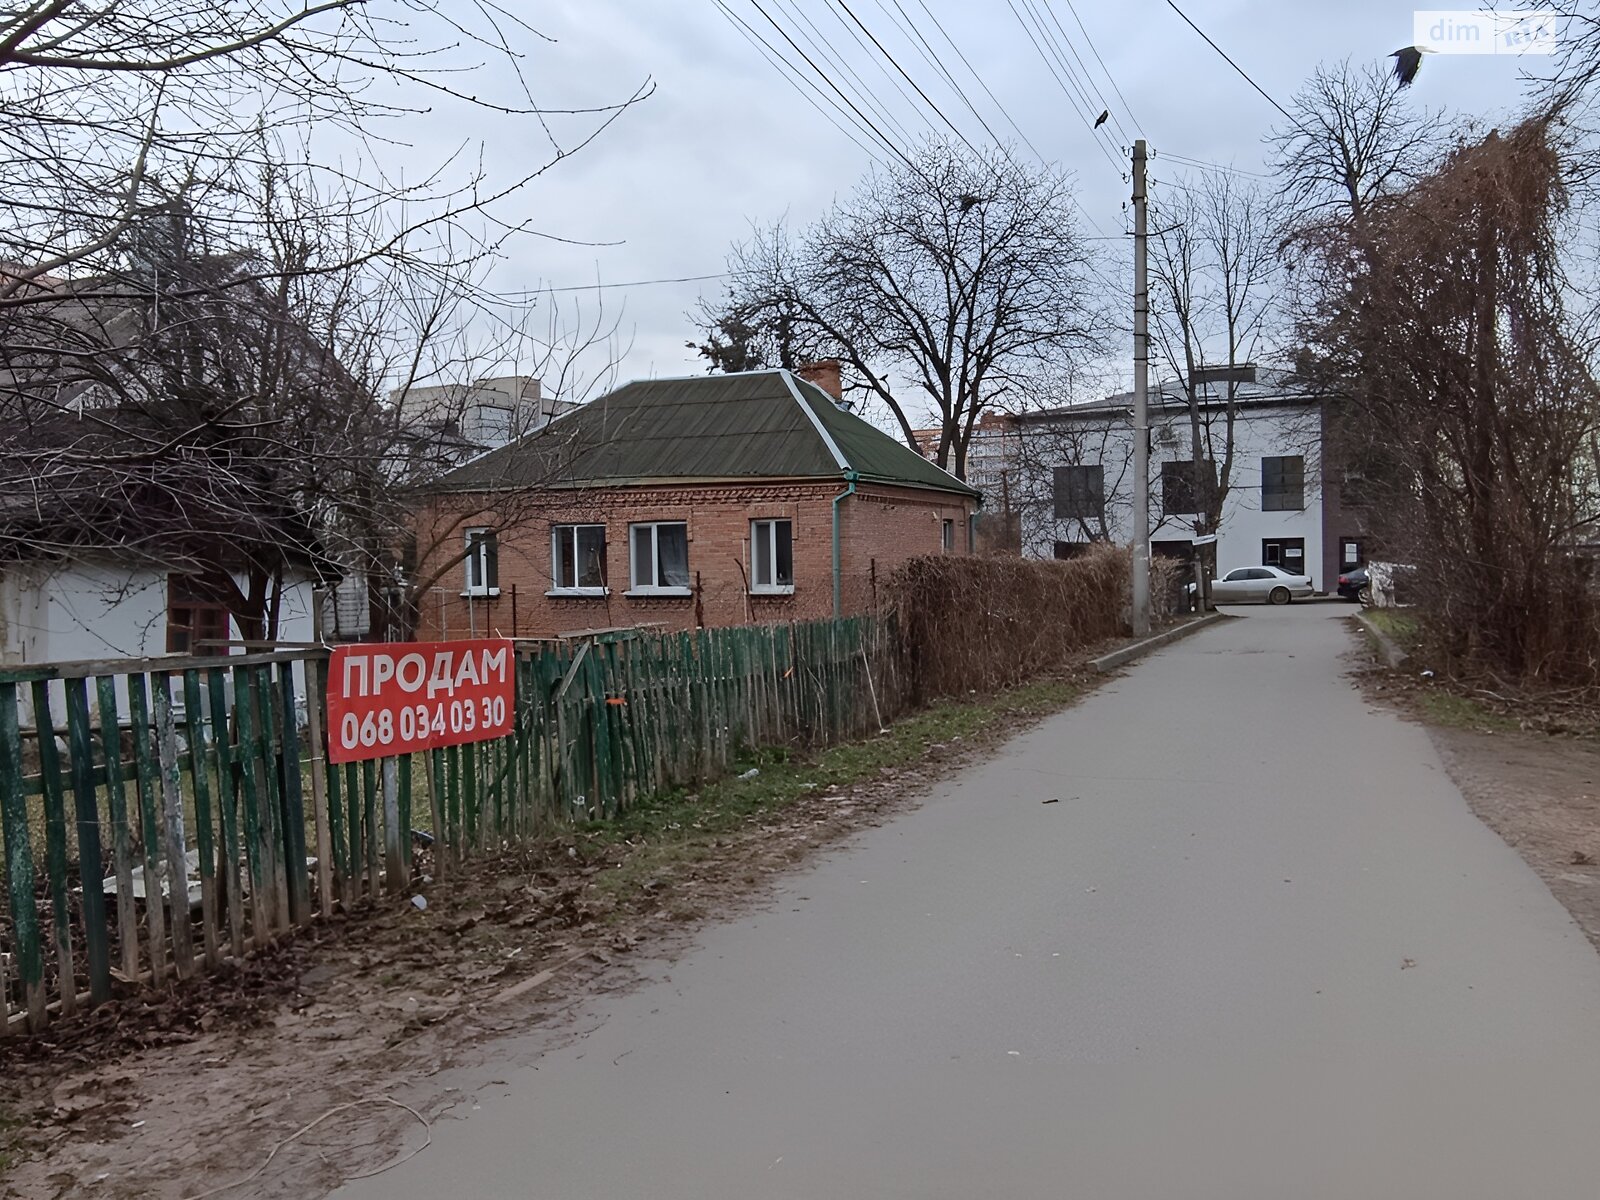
(1388,649)
(1127,654)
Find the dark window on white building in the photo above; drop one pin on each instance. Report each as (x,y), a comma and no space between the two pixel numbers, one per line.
(1283,483)
(1080,492)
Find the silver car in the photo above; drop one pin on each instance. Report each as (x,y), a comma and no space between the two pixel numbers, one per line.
(1270,585)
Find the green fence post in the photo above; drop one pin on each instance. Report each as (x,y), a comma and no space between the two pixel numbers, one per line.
(29,954)
(177,873)
(195,724)
(91,865)
(369,815)
(294,810)
(317,752)
(249,767)
(149,835)
(272,791)
(55,838)
(228,782)
(352,796)
(472,833)
(403,771)
(105,688)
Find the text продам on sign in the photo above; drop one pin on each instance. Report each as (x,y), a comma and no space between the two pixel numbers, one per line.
(399,697)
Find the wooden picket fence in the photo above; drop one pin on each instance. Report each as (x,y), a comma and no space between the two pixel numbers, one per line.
(162,816)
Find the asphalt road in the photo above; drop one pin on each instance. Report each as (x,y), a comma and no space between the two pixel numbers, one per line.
(1260,949)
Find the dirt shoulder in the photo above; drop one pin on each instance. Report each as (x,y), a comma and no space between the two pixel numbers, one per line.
(1529,770)
(285,1076)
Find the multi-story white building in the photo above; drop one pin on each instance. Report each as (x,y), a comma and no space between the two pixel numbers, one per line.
(1074,477)
(459,421)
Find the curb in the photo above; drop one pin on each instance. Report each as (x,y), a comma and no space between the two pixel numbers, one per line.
(1392,655)
(1117,658)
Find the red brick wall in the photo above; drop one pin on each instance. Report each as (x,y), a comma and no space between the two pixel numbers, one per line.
(881,527)
(884,526)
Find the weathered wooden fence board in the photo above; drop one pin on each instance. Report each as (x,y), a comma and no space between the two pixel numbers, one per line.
(217,754)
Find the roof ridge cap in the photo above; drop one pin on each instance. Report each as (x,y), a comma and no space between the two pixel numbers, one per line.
(811,415)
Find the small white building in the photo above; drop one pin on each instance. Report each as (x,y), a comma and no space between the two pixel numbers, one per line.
(98,608)
(1075,475)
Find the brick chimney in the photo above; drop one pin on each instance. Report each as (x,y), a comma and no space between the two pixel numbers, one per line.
(826,375)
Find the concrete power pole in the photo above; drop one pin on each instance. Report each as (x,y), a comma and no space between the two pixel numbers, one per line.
(1141,415)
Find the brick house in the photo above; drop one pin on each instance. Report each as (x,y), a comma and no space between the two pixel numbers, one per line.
(680,503)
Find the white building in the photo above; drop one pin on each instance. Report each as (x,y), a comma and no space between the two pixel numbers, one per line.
(466,419)
(1075,475)
(441,427)
(97,608)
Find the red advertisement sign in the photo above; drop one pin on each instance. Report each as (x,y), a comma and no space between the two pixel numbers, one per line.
(399,697)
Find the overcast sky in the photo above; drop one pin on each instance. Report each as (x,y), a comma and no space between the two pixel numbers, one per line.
(725,141)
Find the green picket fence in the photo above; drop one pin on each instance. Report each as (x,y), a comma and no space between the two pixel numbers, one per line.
(163,815)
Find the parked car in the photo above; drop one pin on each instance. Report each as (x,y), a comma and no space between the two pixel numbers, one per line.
(1356,585)
(1270,585)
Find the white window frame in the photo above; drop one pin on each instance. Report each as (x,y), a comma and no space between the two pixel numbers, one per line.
(947,535)
(635,588)
(766,528)
(570,529)
(478,559)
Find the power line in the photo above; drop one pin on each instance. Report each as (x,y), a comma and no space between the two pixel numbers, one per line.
(855,24)
(1078,107)
(930,56)
(1242,72)
(1080,98)
(1037,153)
(842,64)
(938,66)
(1201,164)
(1088,75)
(589,287)
(910,80)
(1073,8)
(877,61)
(767,51)
(756,4)
(1003,112)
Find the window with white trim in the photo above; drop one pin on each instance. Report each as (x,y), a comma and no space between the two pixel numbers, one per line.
(947,535)
(659,556)
(578,558)
(483,563)
(772,556)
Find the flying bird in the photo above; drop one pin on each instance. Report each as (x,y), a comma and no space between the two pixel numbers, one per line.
(1406,63)
(1102,118)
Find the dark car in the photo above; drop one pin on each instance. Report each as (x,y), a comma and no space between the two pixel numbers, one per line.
(1353,583)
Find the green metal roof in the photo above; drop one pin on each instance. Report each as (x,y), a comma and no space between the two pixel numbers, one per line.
(757,424)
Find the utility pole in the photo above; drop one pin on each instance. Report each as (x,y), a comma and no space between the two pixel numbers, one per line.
(1141,415)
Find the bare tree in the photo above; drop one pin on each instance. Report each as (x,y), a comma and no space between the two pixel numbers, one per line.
(1353,136)
(234,419)
(202,317)
(1214,270)
(1473,406)
(956,274)
(110,111)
